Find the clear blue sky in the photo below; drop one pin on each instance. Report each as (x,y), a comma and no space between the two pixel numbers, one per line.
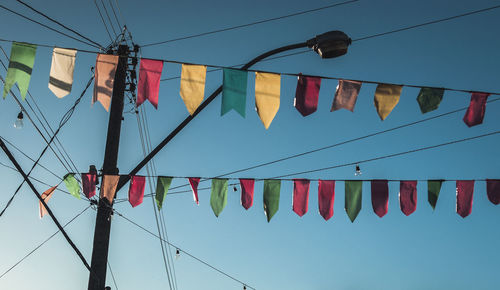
(427,250)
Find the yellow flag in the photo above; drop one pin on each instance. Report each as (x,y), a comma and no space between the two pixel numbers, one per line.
(267,96)
(193,85)
(109,184)
(386,98)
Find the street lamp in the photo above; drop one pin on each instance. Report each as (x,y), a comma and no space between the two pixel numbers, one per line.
(330,44)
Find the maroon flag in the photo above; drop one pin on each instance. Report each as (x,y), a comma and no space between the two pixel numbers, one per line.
(247,186)
(306,94)
(475,113)
(326,198)
(88,184)
(136,190)
(149,81)
(346,95)
(194,181)
(380,197)
(408,196)
(493,190)
(300,196)
(465,191)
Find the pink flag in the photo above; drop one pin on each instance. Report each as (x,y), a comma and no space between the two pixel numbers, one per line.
(346,95)
(105,69)
(149,81)
(465,190)
(247,186)
(88,184)
(194,181)
(306,94)
(475,113)
(380,197)
(326,198)
(136,190)
(300,196)
(408,196)
(46,196)
(493,190)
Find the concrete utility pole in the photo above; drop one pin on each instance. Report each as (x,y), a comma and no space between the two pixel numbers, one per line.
(97,277)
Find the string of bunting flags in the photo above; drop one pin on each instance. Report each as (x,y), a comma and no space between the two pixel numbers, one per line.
(234,93)
(272,191)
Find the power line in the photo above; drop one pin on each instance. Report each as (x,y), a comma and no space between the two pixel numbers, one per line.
(103,22)
(114,13)
(48,27)
(58,23)
(109,19)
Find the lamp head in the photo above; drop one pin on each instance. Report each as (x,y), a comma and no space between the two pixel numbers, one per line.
(330,44)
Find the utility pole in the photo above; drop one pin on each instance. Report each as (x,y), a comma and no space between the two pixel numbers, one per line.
(97,277)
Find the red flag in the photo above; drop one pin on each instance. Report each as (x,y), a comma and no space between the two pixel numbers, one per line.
(408,196)
(326,198)
(493,190)
(136,190)
(88,184)
(194,181)
(475,113)
(300,196)
(465,191)
(46,196)
(247,186)
(306,94)
(149,81)
(380,197)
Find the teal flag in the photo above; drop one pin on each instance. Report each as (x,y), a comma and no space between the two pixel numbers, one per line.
(429,99)
(272,189)
(353,195)
(234,91)
(72,185)
(433,189)
(162,185)
(22,59)
(218,197)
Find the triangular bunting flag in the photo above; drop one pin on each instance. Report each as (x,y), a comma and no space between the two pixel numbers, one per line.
(193,86)
(386,98)
(346,95)
(433,189)
(493,190)
(72,185)
(88,184)
(267,96)
(46,196)
(408,196)
(326,198)
(162,186)
(477,107)
(353,198)
(105,69)
(108,187)
(380,197)
(234,91)
(271,197)
(307,94)
(136,190)
(148,86)
(194,181)
(247,186)
(300,196)
(429,99)
(465,192)
(22,59)
(61,71)
(218,197)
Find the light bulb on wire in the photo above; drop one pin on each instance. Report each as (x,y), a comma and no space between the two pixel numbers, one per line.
(19,123)
(357,171)
(177,254)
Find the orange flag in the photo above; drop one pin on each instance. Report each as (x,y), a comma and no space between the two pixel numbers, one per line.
(46,196)
(105,69)
(109,184)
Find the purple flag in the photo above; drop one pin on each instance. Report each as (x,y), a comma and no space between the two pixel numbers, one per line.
(493,190)
(380,197)
(306,95)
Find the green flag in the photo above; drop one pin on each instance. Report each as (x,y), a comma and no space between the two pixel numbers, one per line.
(429,99)
(22,59)
(218,197)
(72,185)
(271,197)
(433,189)
(234,91)
(162,185)
(353,198)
